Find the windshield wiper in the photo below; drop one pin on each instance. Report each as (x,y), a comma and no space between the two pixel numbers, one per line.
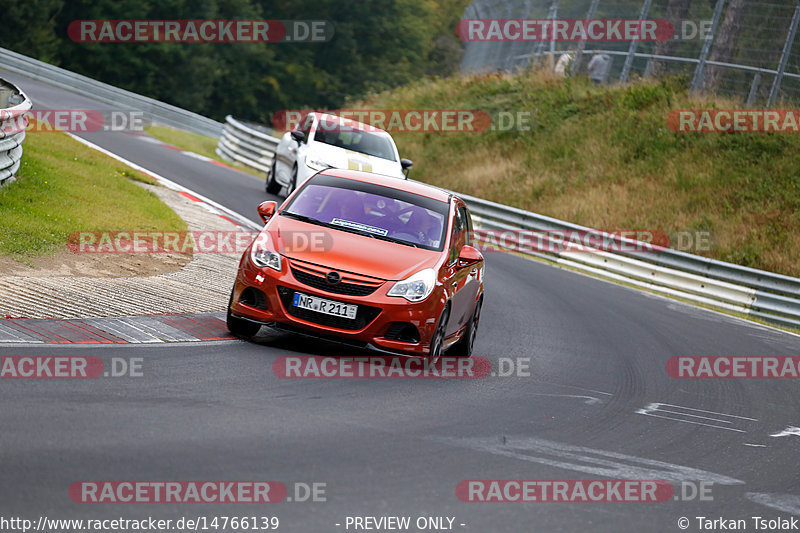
(381,237)
(305,218)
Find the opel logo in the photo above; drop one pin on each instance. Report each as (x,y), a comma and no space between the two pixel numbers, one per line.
(333,278)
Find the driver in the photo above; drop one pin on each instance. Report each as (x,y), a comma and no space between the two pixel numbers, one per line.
(422,226)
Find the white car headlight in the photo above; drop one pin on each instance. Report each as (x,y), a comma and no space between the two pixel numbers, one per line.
(316,163)
(415,288)
(262,255)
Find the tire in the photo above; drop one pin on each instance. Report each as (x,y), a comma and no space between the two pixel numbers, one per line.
(239,327)
(437,341)
(273,187)
(463,348)
(293,185)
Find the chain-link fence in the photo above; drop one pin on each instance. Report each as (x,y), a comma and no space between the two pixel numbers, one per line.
(742,49)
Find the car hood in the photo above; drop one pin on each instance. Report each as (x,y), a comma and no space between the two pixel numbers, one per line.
(348,159)
(347,252)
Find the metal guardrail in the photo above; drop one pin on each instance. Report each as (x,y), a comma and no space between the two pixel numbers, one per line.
(246,144)
(119,99)
(12,133)
(771,297)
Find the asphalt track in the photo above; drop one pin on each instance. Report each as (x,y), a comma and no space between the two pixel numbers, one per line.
(598,404)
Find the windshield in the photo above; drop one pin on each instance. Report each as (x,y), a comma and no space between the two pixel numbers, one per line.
(371,210)
(375,144)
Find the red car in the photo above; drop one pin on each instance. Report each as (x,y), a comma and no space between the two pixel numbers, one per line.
(365,259)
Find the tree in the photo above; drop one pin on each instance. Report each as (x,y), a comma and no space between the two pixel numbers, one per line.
(725,43)
(677,11)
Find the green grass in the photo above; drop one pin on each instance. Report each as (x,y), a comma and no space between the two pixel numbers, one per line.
(604,157)
(194,142)
(63,186)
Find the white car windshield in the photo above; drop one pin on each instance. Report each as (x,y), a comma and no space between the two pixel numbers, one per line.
(365,142)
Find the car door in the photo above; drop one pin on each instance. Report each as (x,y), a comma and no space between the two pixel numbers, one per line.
(289,150)
(308,127)
(472,284)
(459,279)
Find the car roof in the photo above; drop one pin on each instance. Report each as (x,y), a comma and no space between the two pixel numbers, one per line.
(413,187)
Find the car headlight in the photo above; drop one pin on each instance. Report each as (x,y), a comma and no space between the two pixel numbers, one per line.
(318,164)
(262,255)
(415,288)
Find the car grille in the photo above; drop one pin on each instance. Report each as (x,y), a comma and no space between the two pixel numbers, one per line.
(364,315)
(343,287)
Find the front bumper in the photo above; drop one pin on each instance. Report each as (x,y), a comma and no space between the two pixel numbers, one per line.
(264,295)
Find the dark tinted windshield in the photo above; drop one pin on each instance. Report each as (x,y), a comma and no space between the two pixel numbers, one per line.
(375,144)
(372,210)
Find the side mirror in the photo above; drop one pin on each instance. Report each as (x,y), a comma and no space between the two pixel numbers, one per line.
(468,256)
(266,210)
(298,136)
(406,165)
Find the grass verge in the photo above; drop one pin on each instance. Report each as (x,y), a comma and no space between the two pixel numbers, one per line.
(63,186)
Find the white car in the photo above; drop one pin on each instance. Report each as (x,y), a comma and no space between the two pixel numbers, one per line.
(327,141)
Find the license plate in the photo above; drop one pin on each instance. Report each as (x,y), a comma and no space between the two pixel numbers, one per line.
(321,305)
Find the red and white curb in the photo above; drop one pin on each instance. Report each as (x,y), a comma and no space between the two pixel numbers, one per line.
(116,330)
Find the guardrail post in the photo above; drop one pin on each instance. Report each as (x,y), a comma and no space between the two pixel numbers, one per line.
(582,44)
(626,69)
(697,79)
(787,48)
(751,96)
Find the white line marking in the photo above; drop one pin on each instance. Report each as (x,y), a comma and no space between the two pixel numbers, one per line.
(643,412)
(788,503)
(590,400)
(791,430)
(704,411)
(694,416)
(196,156)
(586,460)
(658,409)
